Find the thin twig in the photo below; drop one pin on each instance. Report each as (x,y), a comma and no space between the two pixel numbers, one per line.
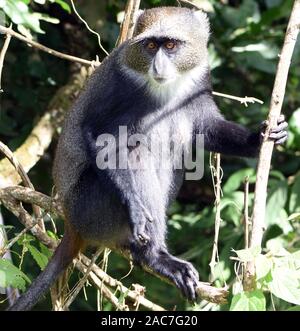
(264,161)
(217,178)
(25,218)
(99,284)
(11,32)
(16,238)
(246,211)
(26,181)
(243,101)
(111,282)
(90,29)
(73,294)
(2,57)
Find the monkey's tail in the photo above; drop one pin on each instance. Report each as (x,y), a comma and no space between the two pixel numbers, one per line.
(66,251)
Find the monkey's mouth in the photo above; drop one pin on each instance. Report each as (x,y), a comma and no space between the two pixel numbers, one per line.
(162,80)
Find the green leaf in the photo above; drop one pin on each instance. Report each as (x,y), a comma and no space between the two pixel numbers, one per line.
(275,212)
(295,308)
(248,301)
(236,180)
(40,259)
(276,247)
(45,250)
(63,5)
(263,266)
(247,255)
(285,284)
(294,205)
(12,276)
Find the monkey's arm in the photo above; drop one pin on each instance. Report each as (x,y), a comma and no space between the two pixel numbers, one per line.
(230,138)
(226,137)
(233,139)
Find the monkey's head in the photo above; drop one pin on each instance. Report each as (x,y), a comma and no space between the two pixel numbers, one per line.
(169,46)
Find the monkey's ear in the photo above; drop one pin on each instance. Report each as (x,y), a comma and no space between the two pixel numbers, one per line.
(138,14)
(202,18)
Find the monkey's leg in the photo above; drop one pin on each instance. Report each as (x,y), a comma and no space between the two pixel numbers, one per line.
(62,257)
(158,259)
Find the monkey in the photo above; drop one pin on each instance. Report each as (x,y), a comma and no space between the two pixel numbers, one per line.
(157,84)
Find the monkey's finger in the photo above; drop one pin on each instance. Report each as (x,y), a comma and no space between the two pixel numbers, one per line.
(281,141)
(281,119)
(278,135)
(280,127)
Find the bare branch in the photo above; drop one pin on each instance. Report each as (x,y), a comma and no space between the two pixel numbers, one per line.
(264,161)
(12,33)
(88,27)
(127,26)
(2,57)
(246,212)
(111,282)
(82,281)
(216,173)
(26,181)
(243,101)
(7,196)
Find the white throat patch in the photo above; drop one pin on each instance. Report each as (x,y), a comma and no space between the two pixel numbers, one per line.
(169,91)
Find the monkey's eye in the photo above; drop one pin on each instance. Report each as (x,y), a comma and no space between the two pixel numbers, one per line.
(170,45)
(151,45)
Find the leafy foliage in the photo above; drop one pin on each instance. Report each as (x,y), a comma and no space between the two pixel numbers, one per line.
(12,276)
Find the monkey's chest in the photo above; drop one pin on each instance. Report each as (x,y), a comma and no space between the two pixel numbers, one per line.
(168,131)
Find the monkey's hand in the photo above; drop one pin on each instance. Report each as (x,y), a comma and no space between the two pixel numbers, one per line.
(139,216)
(278,134)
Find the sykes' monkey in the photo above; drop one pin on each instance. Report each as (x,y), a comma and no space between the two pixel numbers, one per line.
(157,84)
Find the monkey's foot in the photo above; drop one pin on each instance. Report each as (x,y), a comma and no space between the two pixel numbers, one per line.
(181,273)
(278,134)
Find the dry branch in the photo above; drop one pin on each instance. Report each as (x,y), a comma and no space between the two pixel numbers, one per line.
(127,25)
(7,196)
(2,57)
(26,181)
(216,174)
(12,33)
(264,161)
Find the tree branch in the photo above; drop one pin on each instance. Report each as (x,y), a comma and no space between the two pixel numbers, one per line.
(12,33)
(8,197)
(264,161)
(2,57)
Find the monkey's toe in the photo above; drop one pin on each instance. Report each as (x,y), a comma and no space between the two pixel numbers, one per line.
(184,276)
(186,279)
(141,238)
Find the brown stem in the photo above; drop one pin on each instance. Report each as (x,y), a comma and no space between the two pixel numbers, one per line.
(12,33)
(265,155)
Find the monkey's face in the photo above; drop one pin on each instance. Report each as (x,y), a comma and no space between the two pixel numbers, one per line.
(168,45)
